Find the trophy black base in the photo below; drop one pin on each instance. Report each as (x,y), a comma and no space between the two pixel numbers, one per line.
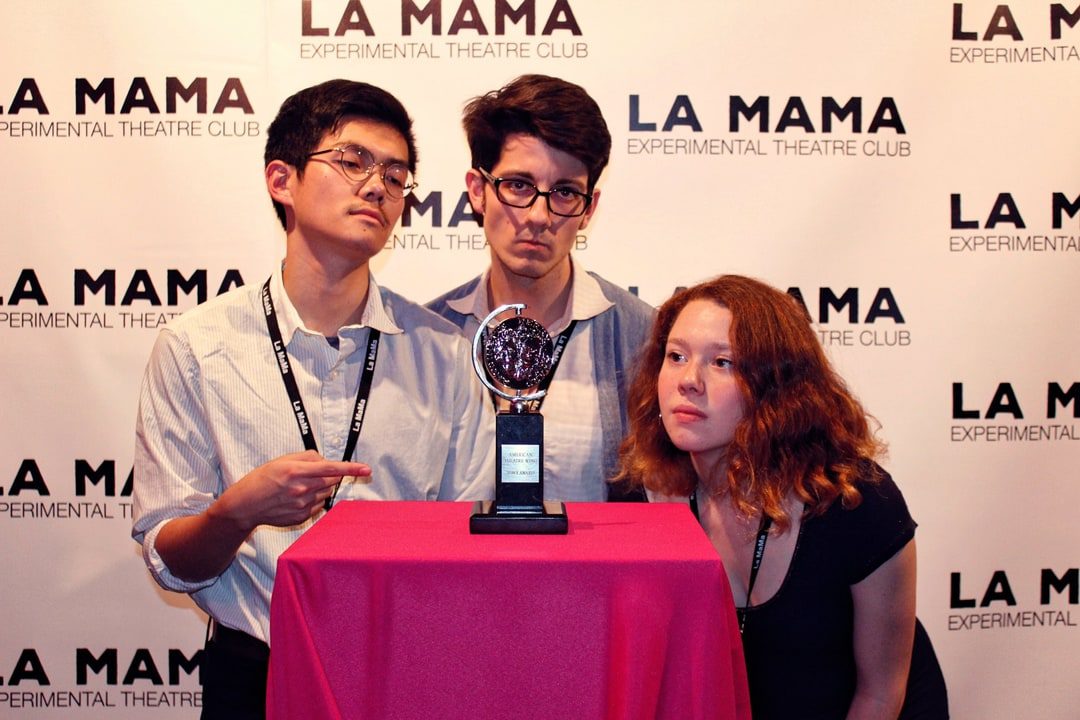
(487,519)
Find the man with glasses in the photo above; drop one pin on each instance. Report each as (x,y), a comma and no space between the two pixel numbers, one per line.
(262,407)
(538,147)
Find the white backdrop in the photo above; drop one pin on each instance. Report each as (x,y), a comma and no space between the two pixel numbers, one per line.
(942,206)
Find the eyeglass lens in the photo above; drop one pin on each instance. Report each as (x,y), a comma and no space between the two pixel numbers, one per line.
(358,164)
(561,201)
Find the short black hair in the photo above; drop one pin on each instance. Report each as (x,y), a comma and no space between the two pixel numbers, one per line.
(308,115)
(556,111)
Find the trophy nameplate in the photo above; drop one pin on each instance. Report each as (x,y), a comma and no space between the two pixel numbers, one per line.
(517,354)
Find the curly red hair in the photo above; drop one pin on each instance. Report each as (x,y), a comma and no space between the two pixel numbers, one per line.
(802,429)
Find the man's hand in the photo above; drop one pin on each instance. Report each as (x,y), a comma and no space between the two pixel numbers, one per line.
(285,491)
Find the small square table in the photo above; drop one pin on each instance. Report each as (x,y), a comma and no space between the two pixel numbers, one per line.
(393,610)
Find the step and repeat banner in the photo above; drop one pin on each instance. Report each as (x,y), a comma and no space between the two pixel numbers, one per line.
(910,170)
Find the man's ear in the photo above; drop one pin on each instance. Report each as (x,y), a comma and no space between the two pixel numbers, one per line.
(474,184)
(279,175)
(592,208)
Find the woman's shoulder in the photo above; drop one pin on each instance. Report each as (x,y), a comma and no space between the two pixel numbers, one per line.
(874,530)
(879,491)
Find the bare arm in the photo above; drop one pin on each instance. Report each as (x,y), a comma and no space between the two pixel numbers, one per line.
(884,634)
(285,491)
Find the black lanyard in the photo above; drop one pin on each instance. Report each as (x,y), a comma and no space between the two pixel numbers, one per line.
(556,356)
(363,390)
(755,565)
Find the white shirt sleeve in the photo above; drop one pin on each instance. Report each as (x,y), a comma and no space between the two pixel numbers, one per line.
(175,463)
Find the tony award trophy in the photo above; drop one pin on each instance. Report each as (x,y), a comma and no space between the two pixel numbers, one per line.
(517,353)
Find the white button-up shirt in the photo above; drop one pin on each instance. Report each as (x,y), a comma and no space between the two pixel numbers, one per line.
(213,407)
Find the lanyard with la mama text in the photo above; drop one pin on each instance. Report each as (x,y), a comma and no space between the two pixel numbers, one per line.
(363,390)
(755,565)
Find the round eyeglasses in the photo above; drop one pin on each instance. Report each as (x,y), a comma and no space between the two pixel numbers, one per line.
(358,164)
(561,200)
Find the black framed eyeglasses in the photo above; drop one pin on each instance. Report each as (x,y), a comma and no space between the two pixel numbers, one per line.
(358,164)
(561,200)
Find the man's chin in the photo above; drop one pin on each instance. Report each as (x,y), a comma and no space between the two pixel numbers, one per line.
(533,271)
(362,249)
(532,265)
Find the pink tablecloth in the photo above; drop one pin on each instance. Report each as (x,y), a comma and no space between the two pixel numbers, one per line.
(393,610)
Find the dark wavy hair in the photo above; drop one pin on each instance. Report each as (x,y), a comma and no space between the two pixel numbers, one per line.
(556,111)
(305,117)
(802,429)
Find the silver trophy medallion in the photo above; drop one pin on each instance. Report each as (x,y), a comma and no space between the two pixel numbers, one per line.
(517,353)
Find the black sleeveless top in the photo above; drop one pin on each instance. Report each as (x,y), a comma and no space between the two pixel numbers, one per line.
(798,645)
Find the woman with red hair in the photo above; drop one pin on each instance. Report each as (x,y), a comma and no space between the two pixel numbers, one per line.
(736,408)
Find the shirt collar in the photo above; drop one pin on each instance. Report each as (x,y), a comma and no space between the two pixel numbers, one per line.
(375,314)
(587,299)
